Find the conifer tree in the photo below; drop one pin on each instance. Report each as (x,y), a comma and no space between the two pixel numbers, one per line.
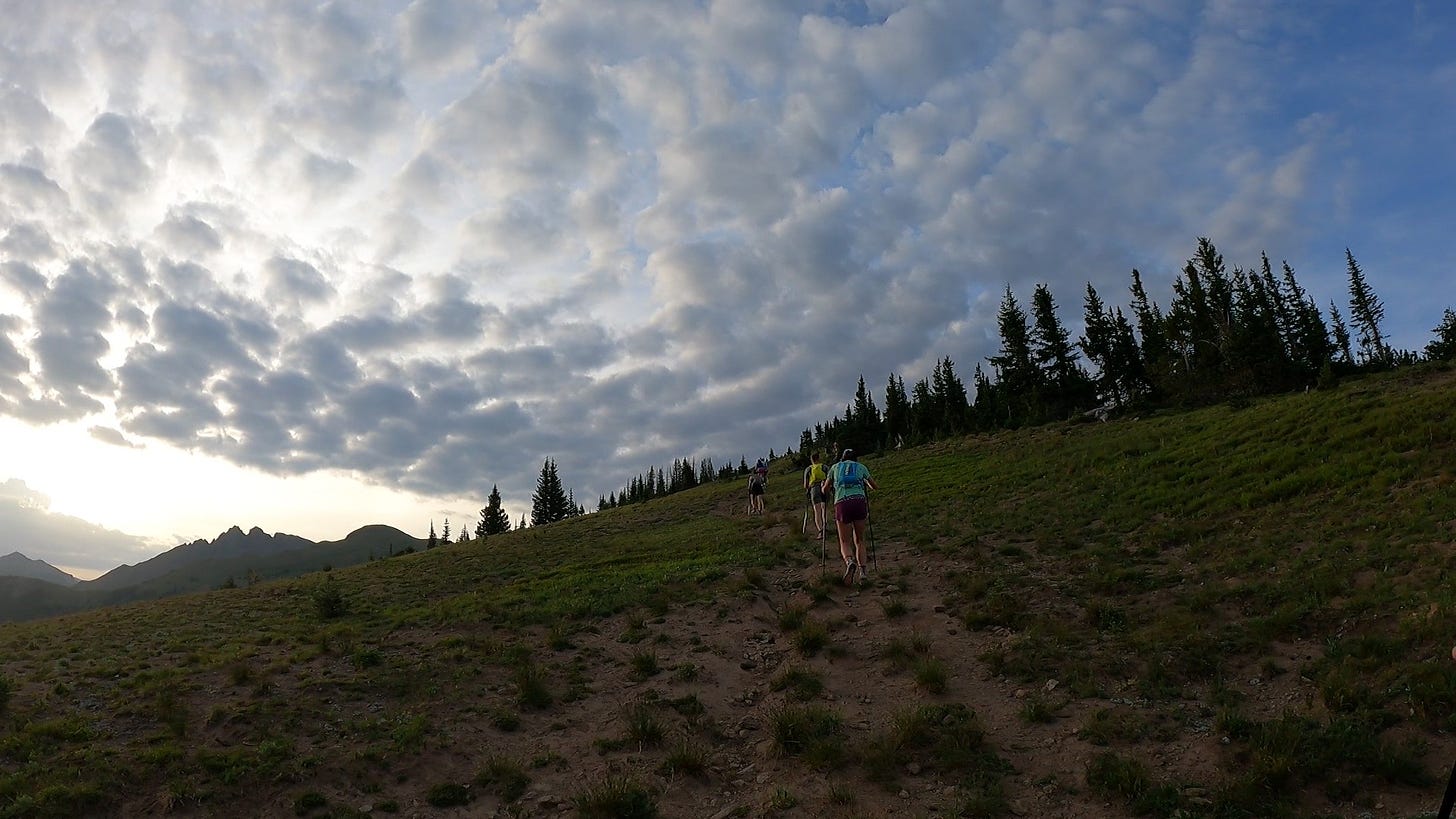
(1152,332)
(1017,375)
(493,518)
(897,412)
(433,541)
(1444,345)
(1341,334)
(1054,355)
(549,503)
(445,534)
(1366,314)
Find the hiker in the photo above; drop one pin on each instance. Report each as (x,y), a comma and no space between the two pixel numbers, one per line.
(849,479)
(755,493)
(762,470)
(814,476)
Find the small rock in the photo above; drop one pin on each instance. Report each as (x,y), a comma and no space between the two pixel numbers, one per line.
(913,769)
(940,609)
(904,794)
(1051,685)
(1020,694)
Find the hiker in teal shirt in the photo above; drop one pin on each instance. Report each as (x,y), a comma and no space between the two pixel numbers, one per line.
(849,479)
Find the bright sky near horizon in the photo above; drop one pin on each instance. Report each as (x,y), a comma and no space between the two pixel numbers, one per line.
(309,266)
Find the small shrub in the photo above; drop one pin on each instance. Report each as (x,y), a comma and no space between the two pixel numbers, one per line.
(531,689)
(809,731)
(1037,709)
(504,777)
(616,797)
(644,665)
(367,658)
(894,608)
(329,601)
(448,795)
(687,672)
(783,799)
(793,616)
(308,803)
(505,719)
(686,759)
(811,638)
(799,684)
(644,727)
(931,674)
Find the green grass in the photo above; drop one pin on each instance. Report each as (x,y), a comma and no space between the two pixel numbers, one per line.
(1162,560)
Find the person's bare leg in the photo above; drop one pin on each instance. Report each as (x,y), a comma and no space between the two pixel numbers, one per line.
(859,542)
(846,534)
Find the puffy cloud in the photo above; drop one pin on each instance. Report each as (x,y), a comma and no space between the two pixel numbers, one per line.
(434,243)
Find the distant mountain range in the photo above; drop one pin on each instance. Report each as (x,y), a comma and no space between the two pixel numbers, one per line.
(34,588)
(16,564)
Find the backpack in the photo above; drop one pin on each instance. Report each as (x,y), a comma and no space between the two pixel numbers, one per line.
(850,473)
(755,481)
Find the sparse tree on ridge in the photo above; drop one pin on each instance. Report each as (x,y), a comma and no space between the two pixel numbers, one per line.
(493,518)
(1444,346)
(433,541)
(549,503)
(1366,314)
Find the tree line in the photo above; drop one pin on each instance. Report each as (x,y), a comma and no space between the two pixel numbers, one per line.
(1226,334)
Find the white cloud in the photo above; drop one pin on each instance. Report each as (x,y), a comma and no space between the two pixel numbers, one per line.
(434,243)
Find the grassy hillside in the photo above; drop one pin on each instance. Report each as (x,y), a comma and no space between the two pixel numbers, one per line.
(1237,611)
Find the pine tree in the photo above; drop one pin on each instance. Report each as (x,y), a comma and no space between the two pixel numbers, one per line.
(445,535)
(1444,346)
(433,541)
(493,518)
(897,412)
(1341,334)
(1017,375)
(866,425)
(1054,355)
(549,503)
(1152,332)
(1366,313)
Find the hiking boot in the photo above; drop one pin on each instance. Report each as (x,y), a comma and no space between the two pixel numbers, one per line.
(849,571)
(864,575)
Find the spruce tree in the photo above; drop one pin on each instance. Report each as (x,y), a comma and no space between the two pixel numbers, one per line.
(1366,314)
(1017,374)
(1054,355)
(1444,346)
(549,503)
(1341,335)
(433,541)
(493,518)
(897,412)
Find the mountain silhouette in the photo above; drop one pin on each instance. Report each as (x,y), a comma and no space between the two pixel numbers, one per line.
(16,564)
(233,558)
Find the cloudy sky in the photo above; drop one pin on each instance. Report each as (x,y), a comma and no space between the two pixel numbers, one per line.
(308,266)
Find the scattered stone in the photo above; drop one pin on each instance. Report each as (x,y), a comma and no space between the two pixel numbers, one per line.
(913,769)
(1051,685)
(1020,694)
(940,609)
(904,794)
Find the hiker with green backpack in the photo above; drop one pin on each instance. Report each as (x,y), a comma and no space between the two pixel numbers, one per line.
(849,479)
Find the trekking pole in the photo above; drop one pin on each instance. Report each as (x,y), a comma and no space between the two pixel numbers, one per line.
(1450,797)
(870,525)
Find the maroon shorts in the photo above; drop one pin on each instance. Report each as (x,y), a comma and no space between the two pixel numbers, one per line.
(852,509)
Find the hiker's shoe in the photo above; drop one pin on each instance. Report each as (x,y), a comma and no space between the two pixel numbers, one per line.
(864,575)
(849,571)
